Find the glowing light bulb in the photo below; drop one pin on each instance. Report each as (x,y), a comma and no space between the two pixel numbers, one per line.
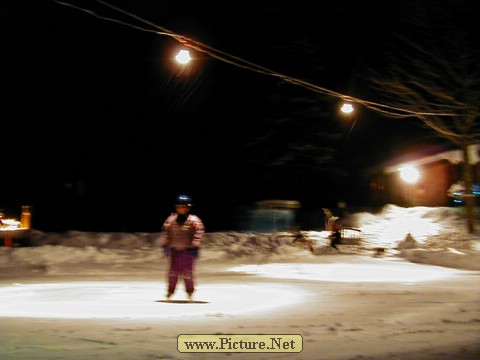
(409,174)
(183,57)
(347,108)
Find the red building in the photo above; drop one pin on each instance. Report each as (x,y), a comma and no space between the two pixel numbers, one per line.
(438,169)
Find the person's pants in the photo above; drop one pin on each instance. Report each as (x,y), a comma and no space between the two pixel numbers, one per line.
(181,265)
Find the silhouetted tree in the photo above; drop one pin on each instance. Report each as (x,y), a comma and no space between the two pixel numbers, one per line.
(299,139)
(433,71)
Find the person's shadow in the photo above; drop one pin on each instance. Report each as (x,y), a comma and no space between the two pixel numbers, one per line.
(182,301)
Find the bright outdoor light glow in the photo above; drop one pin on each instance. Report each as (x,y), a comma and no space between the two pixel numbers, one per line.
(347,108)
(183,57)
(409,174)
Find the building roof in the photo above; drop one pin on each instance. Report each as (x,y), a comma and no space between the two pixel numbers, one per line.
(429,155)
(278,204)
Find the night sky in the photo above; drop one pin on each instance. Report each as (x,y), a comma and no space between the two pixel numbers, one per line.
(100,129)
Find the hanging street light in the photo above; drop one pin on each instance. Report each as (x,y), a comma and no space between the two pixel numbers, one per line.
(347,108)
(183,57)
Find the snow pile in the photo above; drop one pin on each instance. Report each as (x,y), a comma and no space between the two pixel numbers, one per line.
(420,234)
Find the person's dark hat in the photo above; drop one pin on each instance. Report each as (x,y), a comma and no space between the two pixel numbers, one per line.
(184,200)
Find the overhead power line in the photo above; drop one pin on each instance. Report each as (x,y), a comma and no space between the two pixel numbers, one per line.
(383,109)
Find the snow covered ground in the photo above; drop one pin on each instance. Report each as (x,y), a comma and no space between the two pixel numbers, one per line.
(100,295)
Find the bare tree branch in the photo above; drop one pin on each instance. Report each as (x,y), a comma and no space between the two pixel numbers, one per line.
(433,67)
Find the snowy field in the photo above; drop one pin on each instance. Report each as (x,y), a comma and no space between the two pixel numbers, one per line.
(101,295)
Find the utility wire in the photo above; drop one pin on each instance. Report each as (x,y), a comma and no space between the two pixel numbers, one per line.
(383,109)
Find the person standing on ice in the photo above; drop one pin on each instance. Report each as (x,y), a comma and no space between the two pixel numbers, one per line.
(181,237)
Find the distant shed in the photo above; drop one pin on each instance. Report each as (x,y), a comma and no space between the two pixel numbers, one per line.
(273,215)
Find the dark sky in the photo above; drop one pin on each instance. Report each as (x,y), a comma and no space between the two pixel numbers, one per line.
(100,130)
